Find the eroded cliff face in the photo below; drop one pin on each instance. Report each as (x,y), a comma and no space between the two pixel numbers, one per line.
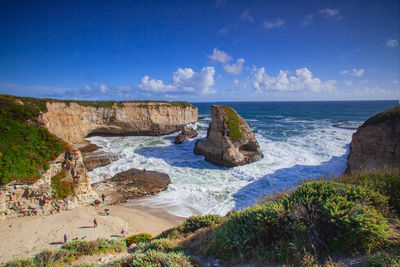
(376,144)
(230,140)
(73,122)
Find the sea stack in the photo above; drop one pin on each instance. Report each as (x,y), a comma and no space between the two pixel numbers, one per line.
(376,144)
(230,141)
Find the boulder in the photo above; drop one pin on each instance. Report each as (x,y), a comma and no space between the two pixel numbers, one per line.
(187,132)
(95,158)
(132,184)
(230,141)
(376,143)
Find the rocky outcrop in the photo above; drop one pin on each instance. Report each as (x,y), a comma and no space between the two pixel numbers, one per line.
(72,122)
(376,144)
(95,158)
(187,133)
(230,141)
(132,184)
(37,198)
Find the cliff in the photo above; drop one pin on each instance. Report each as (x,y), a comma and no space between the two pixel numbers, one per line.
(72,122)
(376,144)
(230,141)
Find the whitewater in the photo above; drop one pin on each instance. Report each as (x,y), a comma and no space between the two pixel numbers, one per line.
(299,140)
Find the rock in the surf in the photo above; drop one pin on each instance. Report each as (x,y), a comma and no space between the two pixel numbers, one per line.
(376,144)
(187,132)
(230,141)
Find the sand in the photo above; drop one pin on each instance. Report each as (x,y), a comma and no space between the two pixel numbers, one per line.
(23,237)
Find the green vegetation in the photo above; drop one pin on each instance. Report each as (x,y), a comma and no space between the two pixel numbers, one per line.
(235,130)
(25,149)
(391,114)
(61,188)
(70,252)
(137,238)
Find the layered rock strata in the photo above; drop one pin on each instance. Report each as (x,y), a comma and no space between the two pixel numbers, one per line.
(187,133)
(73,122)
(95,158)
(230,141)
(376,144)
(132,184)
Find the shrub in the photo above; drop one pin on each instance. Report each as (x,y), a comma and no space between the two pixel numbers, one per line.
(21,263)
(316,217)
(138,238)
(385,258)
(233,121)
(61,188)
(155,258)
(194,223)
(79,247)
(163,244)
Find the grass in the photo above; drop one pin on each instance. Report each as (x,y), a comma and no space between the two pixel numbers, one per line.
(233,121)
(61,187)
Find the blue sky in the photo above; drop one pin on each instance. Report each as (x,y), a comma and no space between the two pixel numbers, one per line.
(221,50)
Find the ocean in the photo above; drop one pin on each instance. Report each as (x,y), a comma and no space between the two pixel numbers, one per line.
(299,140)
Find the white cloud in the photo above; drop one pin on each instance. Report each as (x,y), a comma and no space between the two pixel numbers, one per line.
(302,81)
(348,83)
(392,42)
(354,72)
(331,13)
(183,81)
(308,20)
(239,85)
(103,88)
(220,56)
(235,68)
(246,16)
(270,24)
(395,81)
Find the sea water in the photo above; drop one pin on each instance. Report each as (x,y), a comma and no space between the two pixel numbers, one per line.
(299,140)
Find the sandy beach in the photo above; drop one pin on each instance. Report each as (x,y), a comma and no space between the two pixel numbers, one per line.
(23,237)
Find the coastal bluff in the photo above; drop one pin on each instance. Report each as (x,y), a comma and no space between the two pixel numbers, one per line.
(72,121)
(376,143)
(230,141)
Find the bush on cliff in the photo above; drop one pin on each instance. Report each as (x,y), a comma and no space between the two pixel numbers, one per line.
(25,148)
(61,188)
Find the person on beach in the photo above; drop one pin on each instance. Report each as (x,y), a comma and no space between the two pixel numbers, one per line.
(123,232)
(65,238)
(107,211)
(103,197)
(94,223)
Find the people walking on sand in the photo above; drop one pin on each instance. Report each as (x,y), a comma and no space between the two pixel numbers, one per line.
(94,223)
(107,211)
(65,238)
(103,197)
(123,232)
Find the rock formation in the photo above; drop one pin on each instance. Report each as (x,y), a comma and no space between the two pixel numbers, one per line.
(93,158)
(187,132)
(73,122)
(132,184)
(230,141)
(37,198)
(376,144)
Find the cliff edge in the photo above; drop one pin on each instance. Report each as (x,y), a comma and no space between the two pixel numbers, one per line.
(72,122)
(230,141)
(376,144)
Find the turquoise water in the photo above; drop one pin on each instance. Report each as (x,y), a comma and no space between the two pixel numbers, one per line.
(299,140)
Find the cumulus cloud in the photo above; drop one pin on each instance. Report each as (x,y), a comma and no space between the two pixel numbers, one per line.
(239,85)
(183,81)
(331,13)
(302,81)
(103,88)
(246,16)
(392,43)
(235,68)
(220,56)
(354,72)
(277,23)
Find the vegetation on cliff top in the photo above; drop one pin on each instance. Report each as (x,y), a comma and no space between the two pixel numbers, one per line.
(25,148)
(391,114)
(232,118)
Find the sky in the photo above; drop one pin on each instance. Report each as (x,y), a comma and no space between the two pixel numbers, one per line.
(219,50)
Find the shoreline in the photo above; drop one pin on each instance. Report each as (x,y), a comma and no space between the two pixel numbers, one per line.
(23,237)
